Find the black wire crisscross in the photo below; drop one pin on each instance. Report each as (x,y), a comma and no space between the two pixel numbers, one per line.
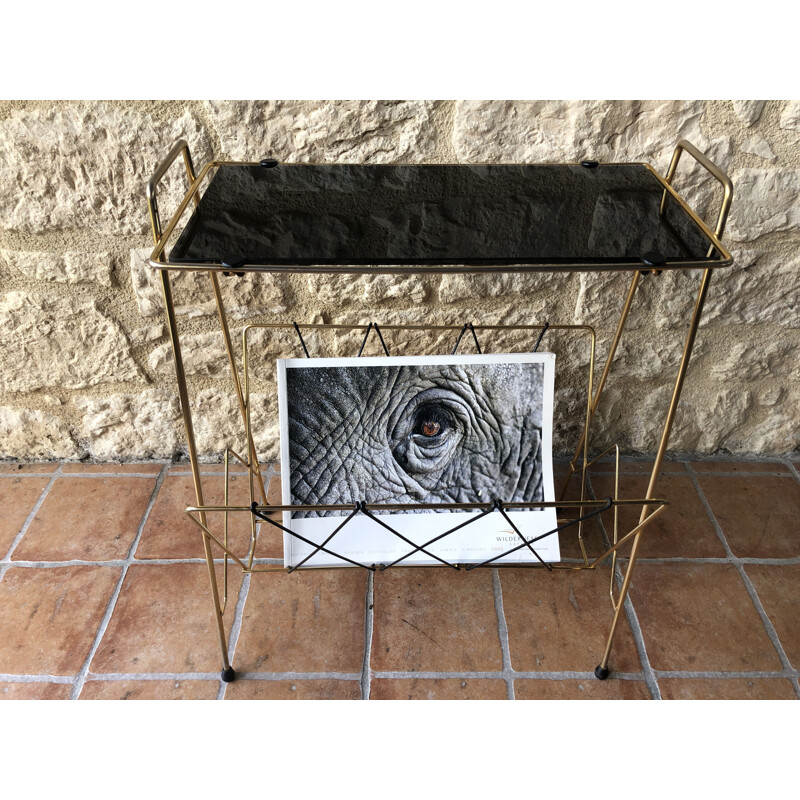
(467,327)
(361,507)
(300,337)
(265,518)
(498,506)
(372,326)
(422,549)
(557,529)
(541,336)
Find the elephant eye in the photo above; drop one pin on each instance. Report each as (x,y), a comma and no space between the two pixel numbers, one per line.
(429,422)
(430,427)
(428,431)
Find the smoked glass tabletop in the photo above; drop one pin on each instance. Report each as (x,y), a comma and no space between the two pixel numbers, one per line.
(299,215)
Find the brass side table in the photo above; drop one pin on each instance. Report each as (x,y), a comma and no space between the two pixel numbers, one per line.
(350,219)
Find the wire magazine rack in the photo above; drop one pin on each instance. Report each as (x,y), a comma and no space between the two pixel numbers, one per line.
(572,515)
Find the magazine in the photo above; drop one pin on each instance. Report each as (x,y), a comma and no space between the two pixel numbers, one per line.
(409,431)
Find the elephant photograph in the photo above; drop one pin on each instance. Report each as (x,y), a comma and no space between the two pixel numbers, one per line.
(414,433)
(405,430)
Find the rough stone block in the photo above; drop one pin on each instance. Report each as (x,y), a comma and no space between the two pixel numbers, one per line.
(84,165)
(65,342)
(750,361)
(142,425)
(372,290)
(205,354)
(35,435)
(251,294)
(790,118)
(749,111)
(756,289)
(717,419)
(69,267)
(765,201)
(558,130)
(758,146)
(148,333)
(218,424)
(355,131)
(202,354)
(774,429)
(458,287)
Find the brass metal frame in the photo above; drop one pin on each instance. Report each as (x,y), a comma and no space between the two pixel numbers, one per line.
(651,506)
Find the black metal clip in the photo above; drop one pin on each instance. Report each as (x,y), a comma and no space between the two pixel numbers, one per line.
(590,164)
(232,263)
(653,259)
(269,163)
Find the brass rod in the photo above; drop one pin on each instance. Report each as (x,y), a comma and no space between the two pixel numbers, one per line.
(226,335)
(207,535)
(290,326)
(712,168)
(161,244)
(634,532)
(676,393)
(225,535)
(155,221)
(621,602)
(190,443)
(606,368)
(377,507)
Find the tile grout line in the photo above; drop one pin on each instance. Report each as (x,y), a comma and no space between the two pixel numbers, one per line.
(244,591)
(650,677)
(63,679)
(6,563)
(71,475)
(369,626)
(119,562)
(80,679)
(769,629)
(793,469)
(502,632)
(764,674)
(112,677)
(721,474)
(501,675)
(649,674)
(279,562)
(236,629)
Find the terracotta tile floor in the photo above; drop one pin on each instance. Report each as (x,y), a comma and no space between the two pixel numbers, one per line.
(105,595)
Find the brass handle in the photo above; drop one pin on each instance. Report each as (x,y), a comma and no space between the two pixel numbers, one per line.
(180,147)
(711,168)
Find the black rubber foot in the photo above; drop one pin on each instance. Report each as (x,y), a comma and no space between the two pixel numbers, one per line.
(601,673)
(228,675)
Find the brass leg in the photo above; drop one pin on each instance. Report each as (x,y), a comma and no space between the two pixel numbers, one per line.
(623,318)
(226,335)
(227,671)
(676,393)
(602,670)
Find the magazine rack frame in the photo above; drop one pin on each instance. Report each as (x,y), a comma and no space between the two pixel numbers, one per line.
(571,513)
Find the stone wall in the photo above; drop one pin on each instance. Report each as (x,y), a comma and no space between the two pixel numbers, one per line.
(86,369)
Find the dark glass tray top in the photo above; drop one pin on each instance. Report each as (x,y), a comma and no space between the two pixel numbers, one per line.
(296,214)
